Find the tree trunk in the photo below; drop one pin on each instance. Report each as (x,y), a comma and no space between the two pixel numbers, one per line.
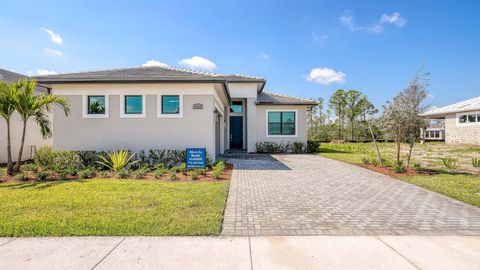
(409,155)
(9,150)
(399,139)
(375,144)
(351,128)
(20,152)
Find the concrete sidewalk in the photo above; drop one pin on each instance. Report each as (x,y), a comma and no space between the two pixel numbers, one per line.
(281,252)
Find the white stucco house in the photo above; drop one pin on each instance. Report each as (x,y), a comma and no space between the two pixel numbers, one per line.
(145,108)
(33,140)
(461,121)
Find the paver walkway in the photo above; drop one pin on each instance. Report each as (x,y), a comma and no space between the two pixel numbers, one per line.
(312,195)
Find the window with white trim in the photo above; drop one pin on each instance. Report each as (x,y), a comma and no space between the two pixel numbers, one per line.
(469,118)
(281,123)
(95,106)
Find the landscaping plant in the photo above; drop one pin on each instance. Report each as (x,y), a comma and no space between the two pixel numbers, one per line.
(117,160)
(30,167)
(399,167)
(173,175)
(20,177)
(123,173)
(140,172)
(42,175)
(86,173)
(476,162)
(194,174)
(450,163)
(159,172)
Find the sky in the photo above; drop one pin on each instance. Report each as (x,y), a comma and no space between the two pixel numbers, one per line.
(302,48)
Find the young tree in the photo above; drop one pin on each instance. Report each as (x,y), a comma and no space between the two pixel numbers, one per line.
(412,100)
(337,103)
(6,112)
(28,105)
(393,119)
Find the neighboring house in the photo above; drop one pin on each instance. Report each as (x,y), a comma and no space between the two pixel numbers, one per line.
(172,108)
(462,121)
(435,131)
(33,137)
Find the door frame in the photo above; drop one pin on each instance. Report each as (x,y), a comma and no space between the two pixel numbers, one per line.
(243,114)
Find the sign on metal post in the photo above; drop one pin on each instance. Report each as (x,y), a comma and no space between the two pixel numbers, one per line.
(196,158)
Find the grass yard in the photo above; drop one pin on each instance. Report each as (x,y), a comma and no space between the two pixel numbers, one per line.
(461,186)
(111,207)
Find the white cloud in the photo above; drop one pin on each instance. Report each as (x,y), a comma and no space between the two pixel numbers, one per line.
(56,38)
(430,95)
(319,38)
(264,56)
(394,19)
(44,72)
(326,76)
(53,52)
(198,62)
(154,63)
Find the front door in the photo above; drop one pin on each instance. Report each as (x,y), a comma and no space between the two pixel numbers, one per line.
(236,132)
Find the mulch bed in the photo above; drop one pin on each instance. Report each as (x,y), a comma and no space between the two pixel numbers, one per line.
(389,171)
(208,177)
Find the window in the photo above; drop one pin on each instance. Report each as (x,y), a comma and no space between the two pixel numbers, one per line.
(427,134)
(472,118)
(133,104)
(170,104)
(236,107)
(437,134)
(478,118)
(462,119)
(281,123)
(96,104)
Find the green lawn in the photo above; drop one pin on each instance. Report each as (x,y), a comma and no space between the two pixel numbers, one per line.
(460,186)
(112,207)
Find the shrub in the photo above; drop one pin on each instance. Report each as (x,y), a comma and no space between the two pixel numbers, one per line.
(62,175)
(117,160)
(183,168)
(30,167)
(89,158)
(399,167)
(298,147)
(20,177)
(67,161)
(216,174)
(167,157)
(103,174)
(140,172)
(159,172)
(86,173)
(370,160)
(175,169)
(42,175)
(44,156)
(417,167)
(173,176)
(450,163)
(476,162)
(220,166)
(3,171)
(194,174)
(123,173)
(312,146)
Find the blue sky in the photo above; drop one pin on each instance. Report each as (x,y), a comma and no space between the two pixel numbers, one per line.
(303,48)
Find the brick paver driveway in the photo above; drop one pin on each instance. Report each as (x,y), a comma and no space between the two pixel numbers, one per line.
(312,195)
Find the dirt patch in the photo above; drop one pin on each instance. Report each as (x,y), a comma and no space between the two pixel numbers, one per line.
(389,171)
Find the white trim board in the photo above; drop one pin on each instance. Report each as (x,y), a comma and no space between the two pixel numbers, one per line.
(85,113)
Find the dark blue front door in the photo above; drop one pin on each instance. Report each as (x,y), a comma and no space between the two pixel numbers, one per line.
(236,132)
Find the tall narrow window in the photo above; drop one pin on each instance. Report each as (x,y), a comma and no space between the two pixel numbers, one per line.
(133,105)
(281,123)
(170,104)
(96,104)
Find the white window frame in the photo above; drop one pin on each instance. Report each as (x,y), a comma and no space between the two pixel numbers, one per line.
(466,124)
(127,115)
(85,113)
(281,136)
(169,115)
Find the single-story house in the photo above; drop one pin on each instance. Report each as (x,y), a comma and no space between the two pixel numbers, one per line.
(34,138)
(462,121)
(165,107)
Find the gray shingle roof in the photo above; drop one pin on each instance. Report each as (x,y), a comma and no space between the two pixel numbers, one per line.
(269,98)
(11,77)
(145,74)
(472,104)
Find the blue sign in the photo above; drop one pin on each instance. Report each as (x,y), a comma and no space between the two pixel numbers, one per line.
(196,158)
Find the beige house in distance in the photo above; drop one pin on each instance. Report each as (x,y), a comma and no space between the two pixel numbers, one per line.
(145,108)
(462,121)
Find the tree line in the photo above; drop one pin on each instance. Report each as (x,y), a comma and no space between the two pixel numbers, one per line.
(350,116)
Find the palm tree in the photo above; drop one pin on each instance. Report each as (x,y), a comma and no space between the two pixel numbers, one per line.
(6,111)
(28,104)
